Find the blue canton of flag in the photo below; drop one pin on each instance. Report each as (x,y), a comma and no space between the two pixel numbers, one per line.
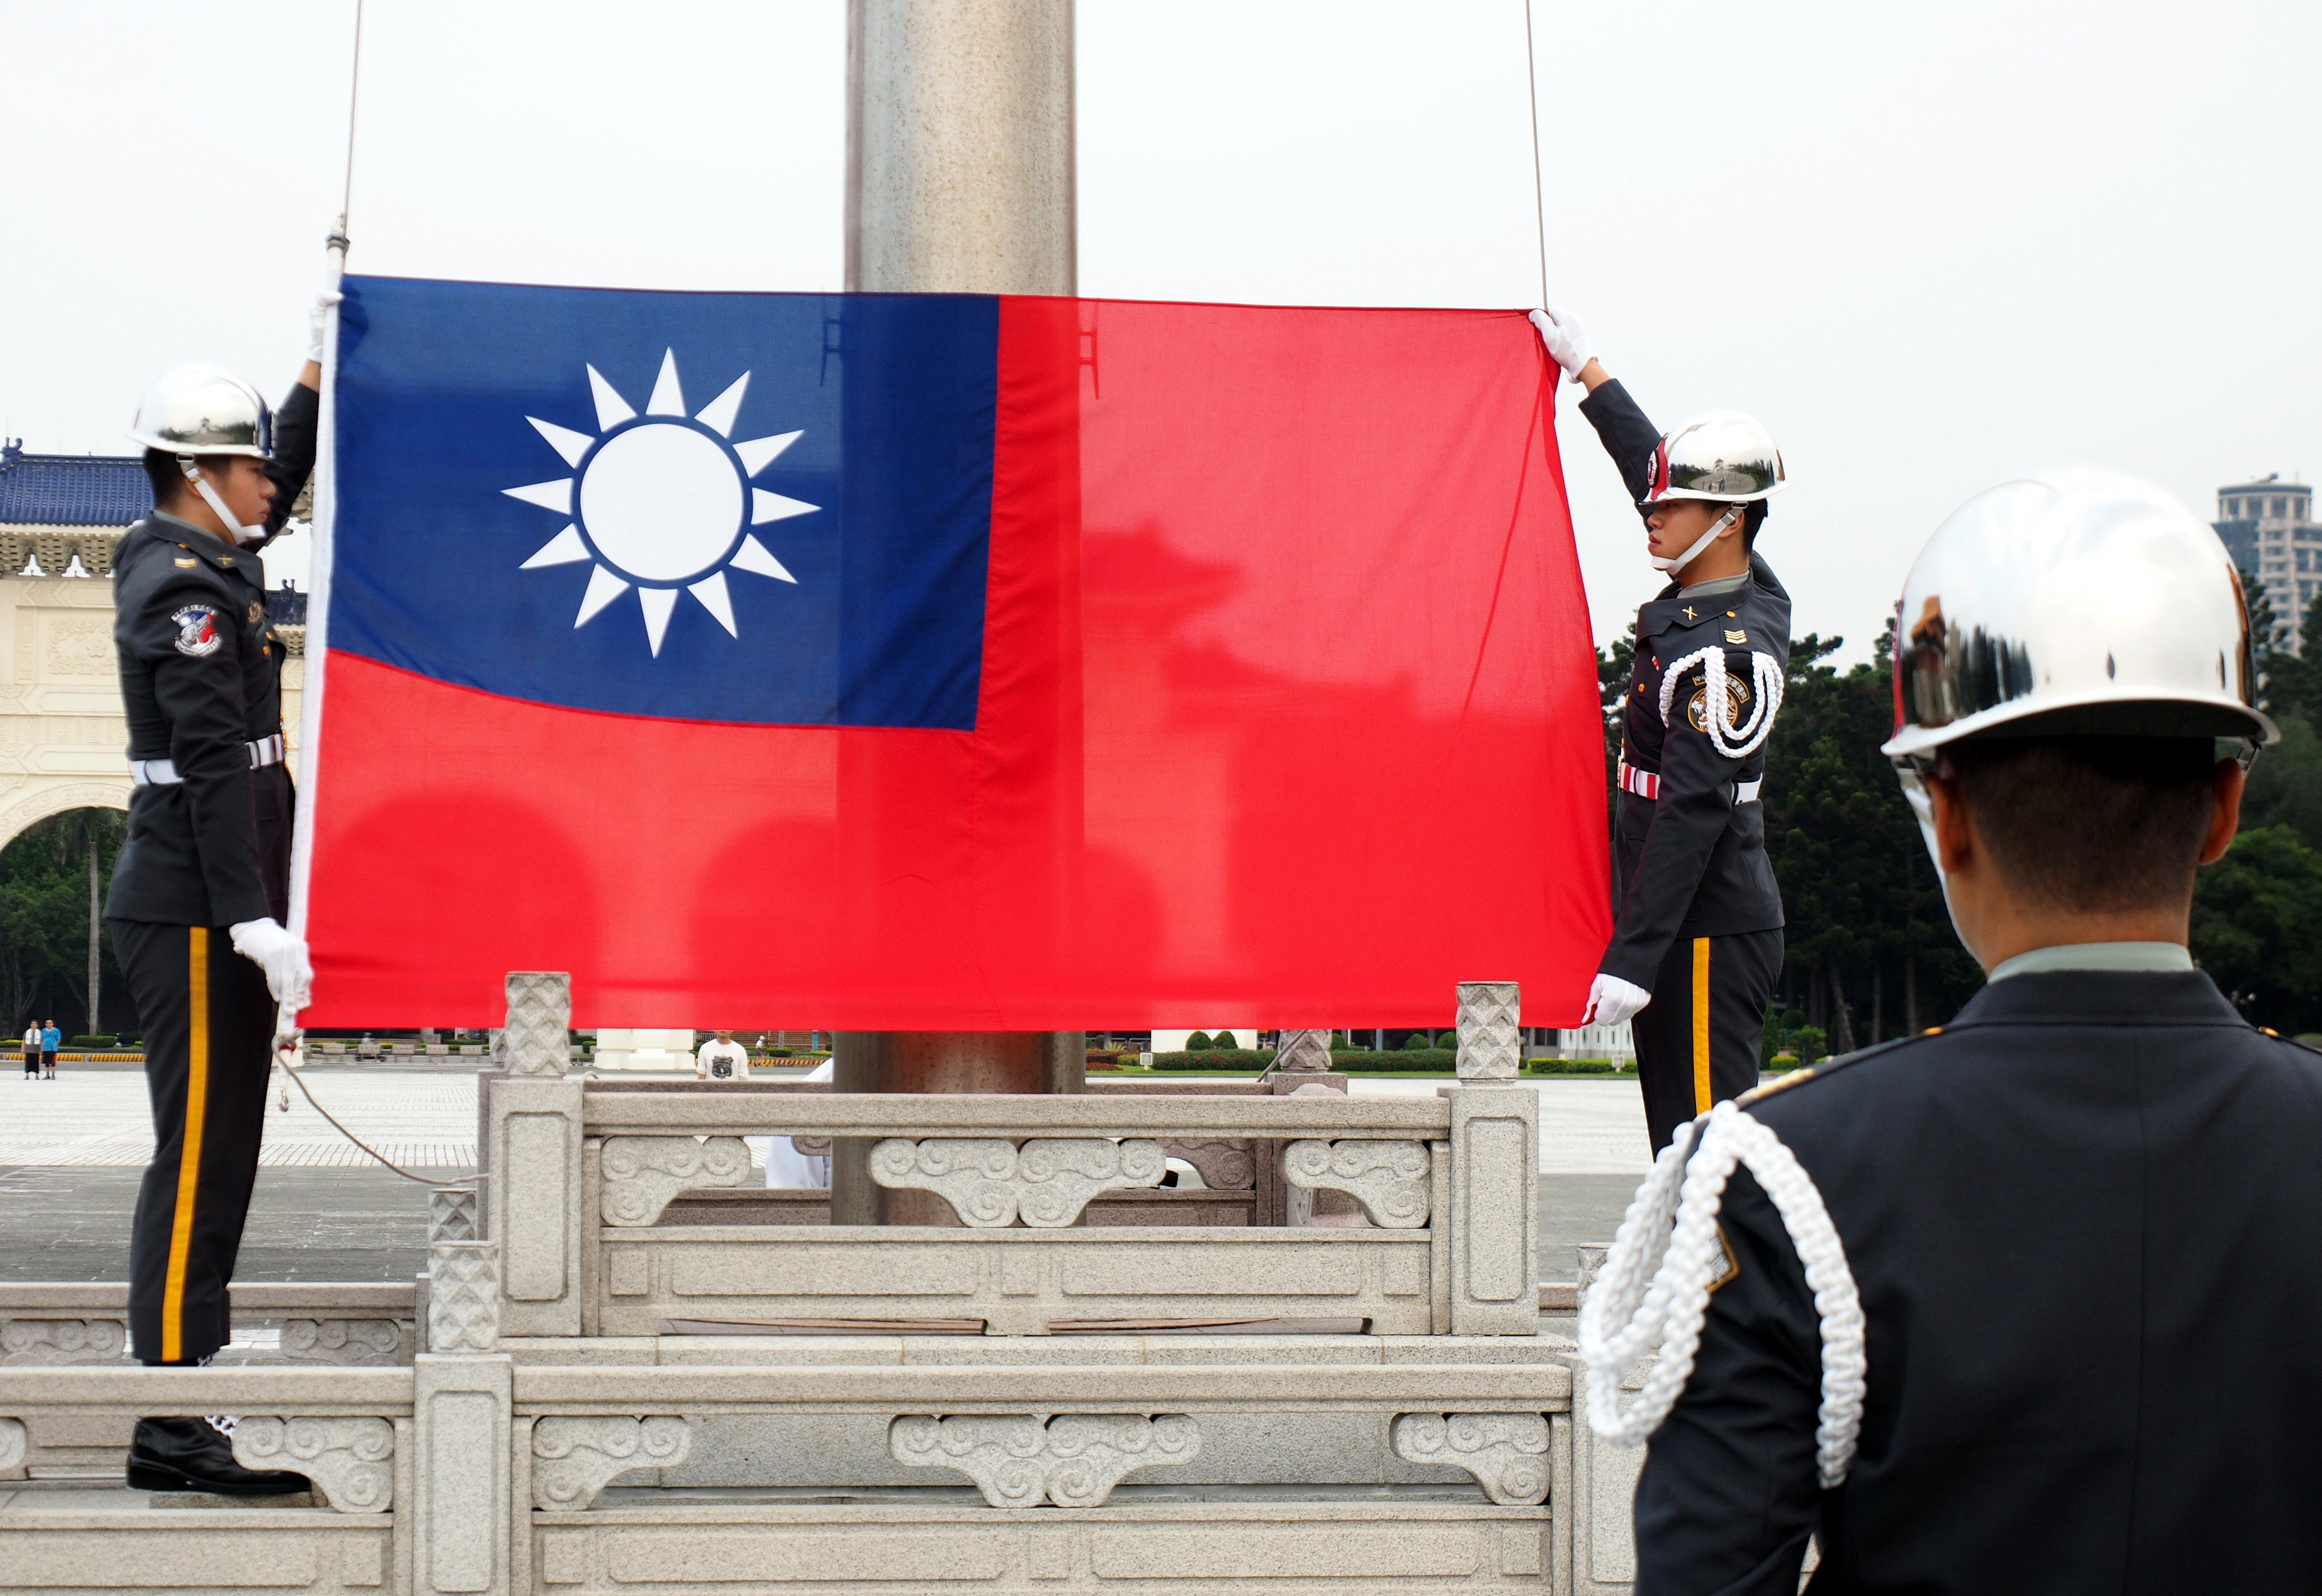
(769,508)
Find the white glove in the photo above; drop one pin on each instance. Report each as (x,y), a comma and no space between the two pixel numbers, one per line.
(265,943)
(317,316)
(1611,1000)
(1565,339)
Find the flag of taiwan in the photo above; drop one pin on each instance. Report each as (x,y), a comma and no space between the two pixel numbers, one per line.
(943,662)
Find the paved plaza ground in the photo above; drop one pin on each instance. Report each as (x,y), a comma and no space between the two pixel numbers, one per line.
(72,1152)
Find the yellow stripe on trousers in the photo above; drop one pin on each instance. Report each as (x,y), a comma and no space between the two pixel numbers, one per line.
(1701,1025)
(189,1155)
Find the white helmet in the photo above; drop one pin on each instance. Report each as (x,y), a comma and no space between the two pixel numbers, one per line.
(2072,603)
(1721,455)
(202,410)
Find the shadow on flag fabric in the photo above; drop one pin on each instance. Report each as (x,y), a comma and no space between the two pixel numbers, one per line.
(943,662)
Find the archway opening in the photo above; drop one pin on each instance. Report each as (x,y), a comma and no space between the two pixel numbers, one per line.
(56,962)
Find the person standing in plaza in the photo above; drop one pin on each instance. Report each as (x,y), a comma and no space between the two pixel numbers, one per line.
(1698,929)
(202,887)
(51,1039)
(33,1050)
(724,1059)
(2025,1302)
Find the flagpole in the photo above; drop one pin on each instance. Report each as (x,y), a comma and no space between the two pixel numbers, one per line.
(1539,201)
(321,528)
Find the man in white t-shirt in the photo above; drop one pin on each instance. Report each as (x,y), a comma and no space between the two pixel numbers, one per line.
(33,1050)
(722,1060)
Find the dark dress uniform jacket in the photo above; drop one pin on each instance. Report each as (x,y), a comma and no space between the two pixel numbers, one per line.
(201,679)
(1691,863)
(2085,1223)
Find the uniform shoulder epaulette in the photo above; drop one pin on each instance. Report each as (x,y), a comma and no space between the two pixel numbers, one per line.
(1830,1066)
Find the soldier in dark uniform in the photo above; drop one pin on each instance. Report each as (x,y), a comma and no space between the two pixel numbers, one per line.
(2027,1302)
(1697,918)
(202,887)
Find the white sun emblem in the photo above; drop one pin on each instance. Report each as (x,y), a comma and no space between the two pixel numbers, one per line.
(663,504)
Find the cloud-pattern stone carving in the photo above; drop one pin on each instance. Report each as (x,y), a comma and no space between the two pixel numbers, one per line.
(573,1459)
(1506,1451)
(638,1175)
(1389,1180)
(43,1342)
(350,1461)
(346,1342)
(991,1183)
(1073,1460)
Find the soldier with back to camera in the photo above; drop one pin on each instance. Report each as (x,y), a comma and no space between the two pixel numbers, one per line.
(2026,1302)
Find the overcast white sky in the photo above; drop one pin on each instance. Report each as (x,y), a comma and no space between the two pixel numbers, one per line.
(1930,244)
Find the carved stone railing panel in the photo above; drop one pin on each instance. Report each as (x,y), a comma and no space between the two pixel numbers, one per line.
(348,1343)
(1227,1164)
(40,1343)
(350,1461)
(1506,1451)
(12,1444)
(573,1459)
(463,1296)
(1074,1460)
(640,1174)
(991,1183)
(1491,1046)
(1389,1180)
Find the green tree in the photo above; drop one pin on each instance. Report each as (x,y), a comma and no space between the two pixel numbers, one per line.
(2285,785)
(2257,927)
(44,921)
(1871,949)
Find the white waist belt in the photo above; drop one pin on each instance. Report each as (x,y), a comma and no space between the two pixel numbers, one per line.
(1646,784)
(161,772)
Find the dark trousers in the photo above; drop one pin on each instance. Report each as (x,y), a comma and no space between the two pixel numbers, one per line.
(31,1062)
(1698,1040)
(209,1031)
(49,1063)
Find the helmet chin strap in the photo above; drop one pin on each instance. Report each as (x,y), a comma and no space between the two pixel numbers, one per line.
(240,534)
(1703,541)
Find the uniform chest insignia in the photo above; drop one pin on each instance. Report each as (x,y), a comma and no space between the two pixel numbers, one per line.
(257,609)
(184,562)
(225,559)
(198,633)
(1734,636)
(1696,708)
(1691,613)
(1726,1265)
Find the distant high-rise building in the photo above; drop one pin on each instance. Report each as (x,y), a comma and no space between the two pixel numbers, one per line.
(2268,527)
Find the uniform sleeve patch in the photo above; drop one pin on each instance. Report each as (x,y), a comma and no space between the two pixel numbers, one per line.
(197,631)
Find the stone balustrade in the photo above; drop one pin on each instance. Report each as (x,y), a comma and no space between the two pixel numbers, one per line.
(355,1323)
(478,1473)
(578,1176)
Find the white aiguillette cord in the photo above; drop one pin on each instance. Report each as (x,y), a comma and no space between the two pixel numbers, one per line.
(1655,1284)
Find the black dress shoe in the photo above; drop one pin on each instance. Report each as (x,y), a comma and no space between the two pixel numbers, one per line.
(190,1454)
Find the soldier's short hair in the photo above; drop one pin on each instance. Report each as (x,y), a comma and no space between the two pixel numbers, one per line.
(2092,825)
(162,470)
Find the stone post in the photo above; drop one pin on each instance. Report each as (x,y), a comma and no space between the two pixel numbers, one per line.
(461,1419)
(1493,1207)
(531,1162)
(959,168)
